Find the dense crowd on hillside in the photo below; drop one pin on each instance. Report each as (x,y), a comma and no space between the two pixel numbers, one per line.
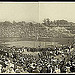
(48,60)
(33,29)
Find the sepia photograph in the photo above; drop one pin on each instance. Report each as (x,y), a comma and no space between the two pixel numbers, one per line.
(37,37)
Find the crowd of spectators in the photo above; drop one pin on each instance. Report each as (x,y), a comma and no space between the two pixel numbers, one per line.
(48,60)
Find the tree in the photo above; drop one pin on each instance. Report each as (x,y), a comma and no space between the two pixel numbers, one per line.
(14,22)
(46,22)
(54,22)
(61,22)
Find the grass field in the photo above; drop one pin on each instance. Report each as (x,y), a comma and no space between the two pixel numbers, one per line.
(19,42)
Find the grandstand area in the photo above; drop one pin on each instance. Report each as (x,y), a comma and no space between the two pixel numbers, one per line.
(37,34)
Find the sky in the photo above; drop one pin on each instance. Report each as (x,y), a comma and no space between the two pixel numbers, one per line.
(19,12)
(37,11)
(57,11)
